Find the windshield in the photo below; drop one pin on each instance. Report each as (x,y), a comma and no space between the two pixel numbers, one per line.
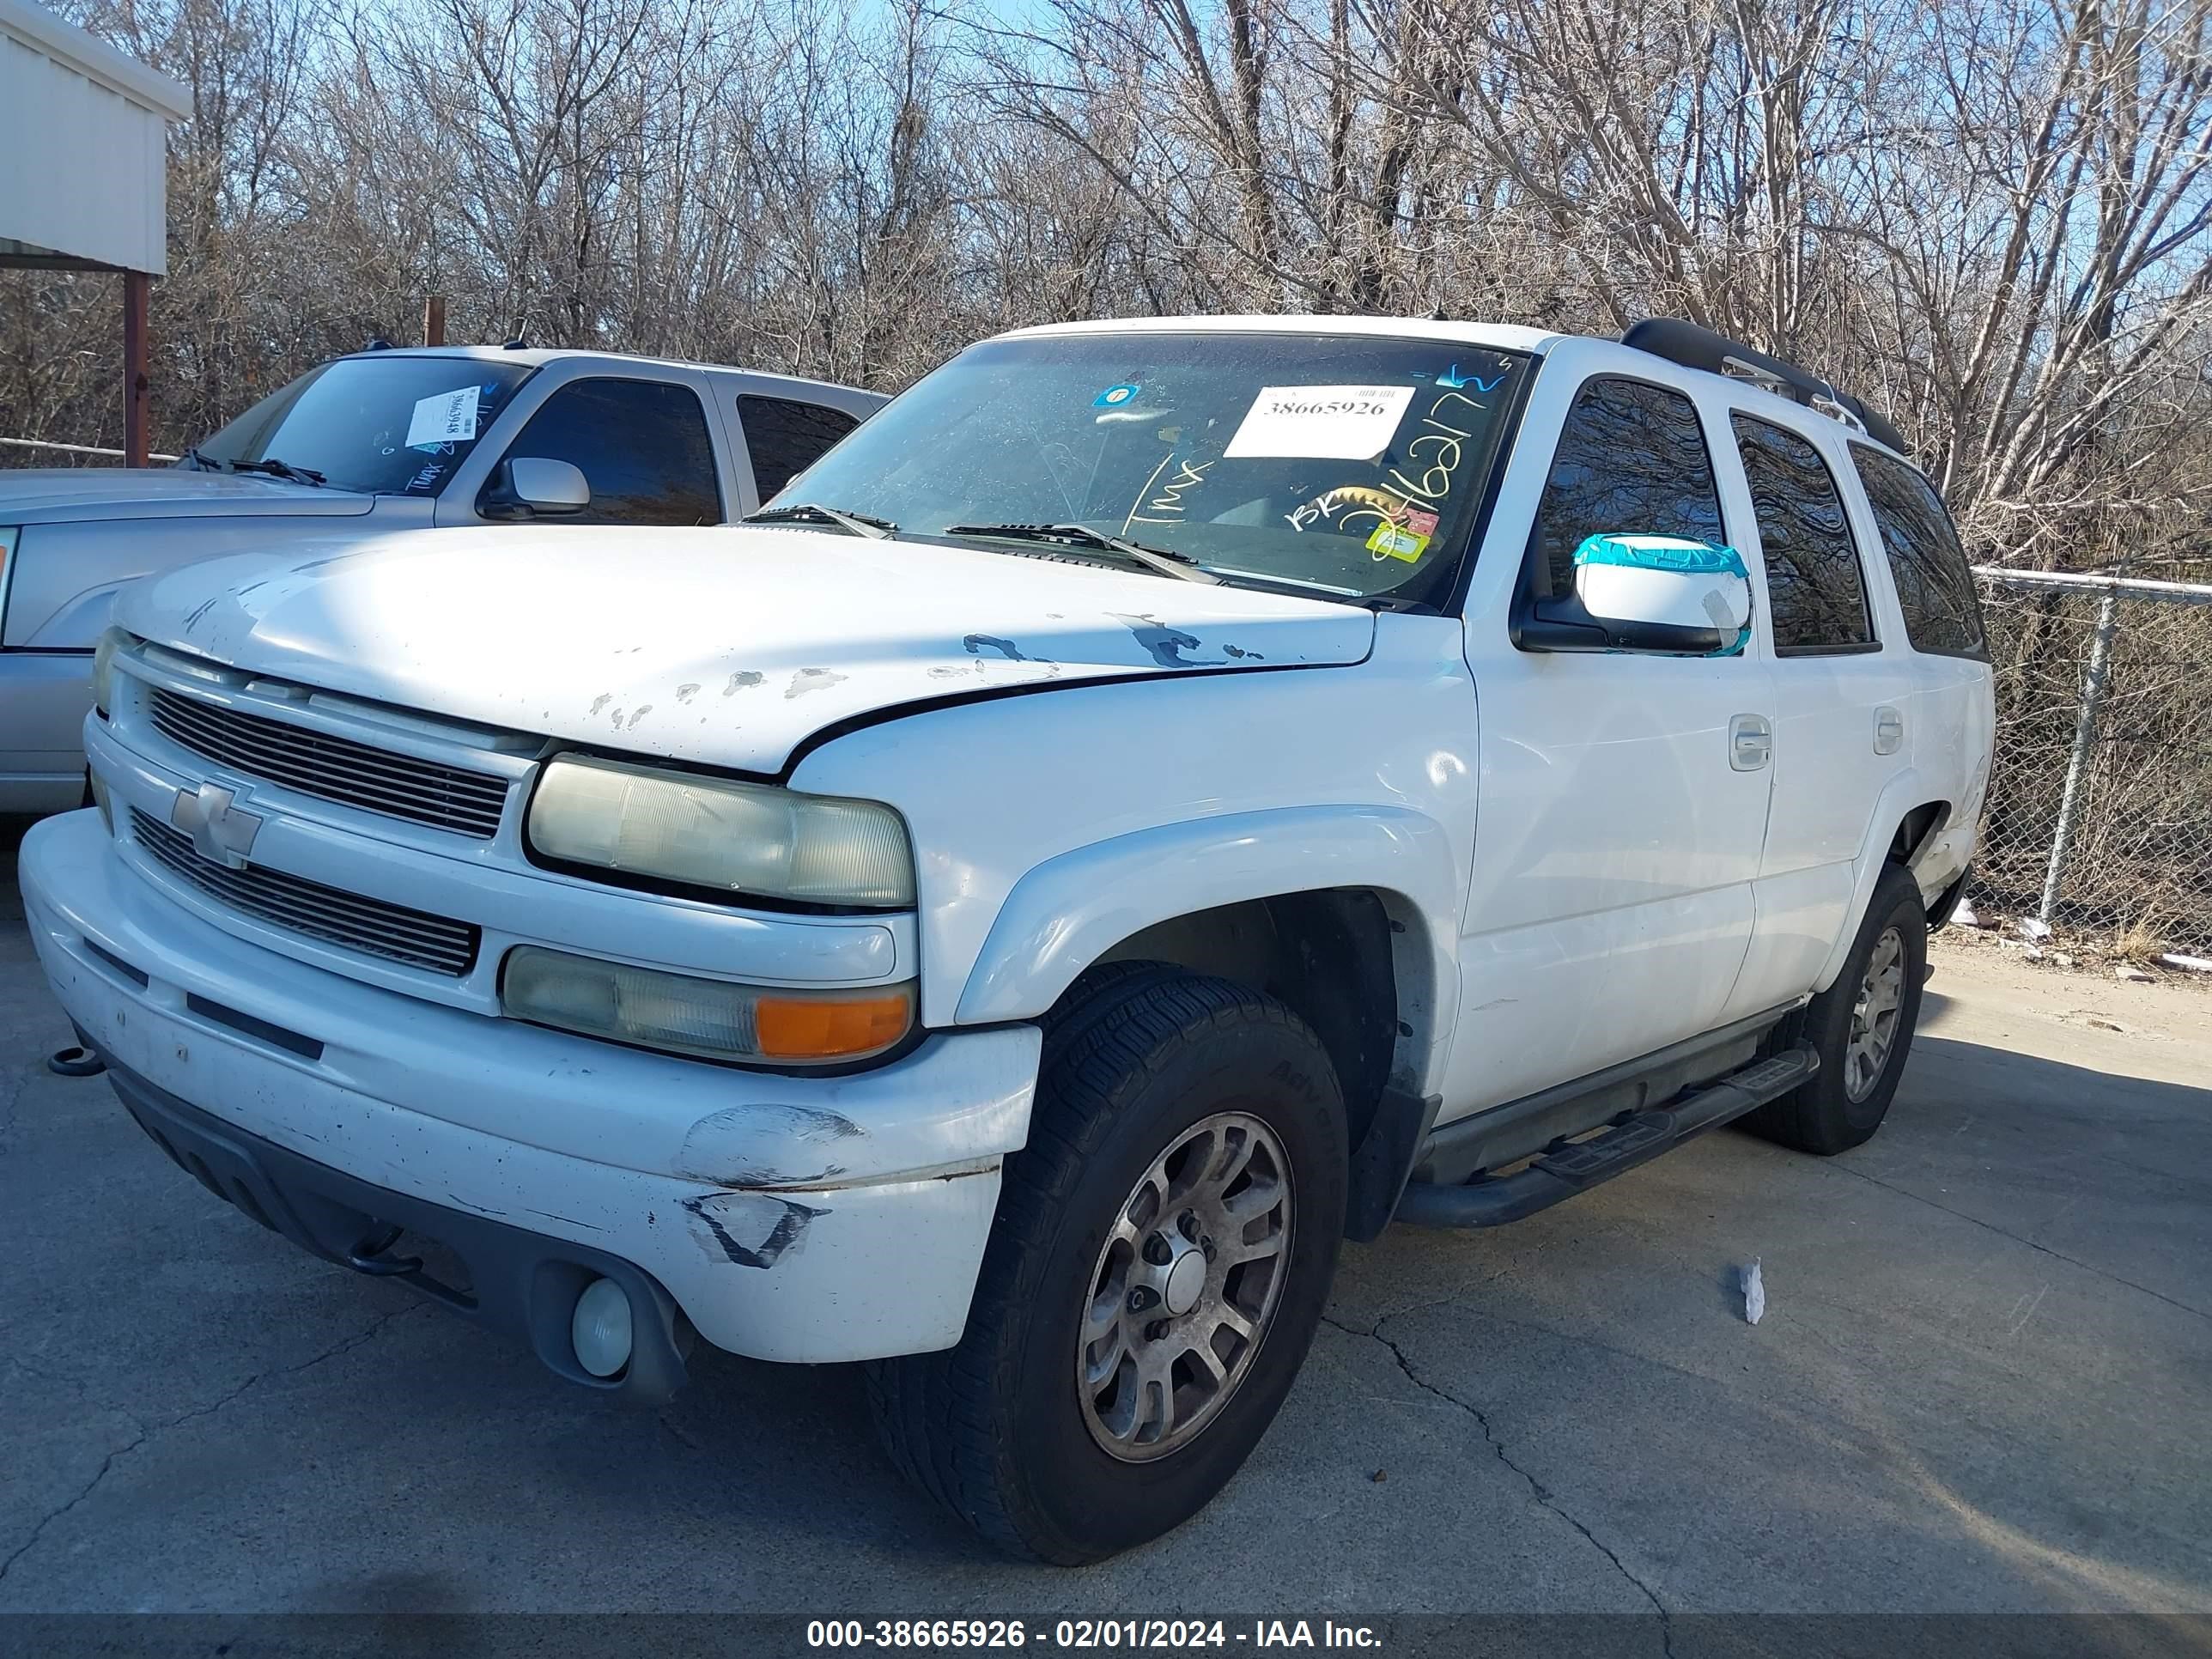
(1354,465)
(388,425)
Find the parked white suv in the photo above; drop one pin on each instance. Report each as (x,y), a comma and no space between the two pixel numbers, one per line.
(1161,797)
(363,446)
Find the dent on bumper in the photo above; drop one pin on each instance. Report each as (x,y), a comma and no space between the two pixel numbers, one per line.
(794,1219)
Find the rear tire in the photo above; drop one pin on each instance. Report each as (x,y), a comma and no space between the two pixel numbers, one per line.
(1184,1176)
(1861,1027)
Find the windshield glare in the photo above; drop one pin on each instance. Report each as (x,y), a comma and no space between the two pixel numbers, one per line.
(388,425)
(1352,464)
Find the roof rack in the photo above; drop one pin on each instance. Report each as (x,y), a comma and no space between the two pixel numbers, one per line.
(1693,347)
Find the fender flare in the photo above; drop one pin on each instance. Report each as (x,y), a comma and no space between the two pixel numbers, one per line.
(1907,790)
(1071,910)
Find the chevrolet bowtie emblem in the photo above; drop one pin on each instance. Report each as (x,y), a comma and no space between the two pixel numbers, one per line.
(222,832)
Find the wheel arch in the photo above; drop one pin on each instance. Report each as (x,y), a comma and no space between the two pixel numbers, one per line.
(1911,813)
(1237,896)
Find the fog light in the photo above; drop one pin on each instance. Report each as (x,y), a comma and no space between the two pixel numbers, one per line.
(601,1328)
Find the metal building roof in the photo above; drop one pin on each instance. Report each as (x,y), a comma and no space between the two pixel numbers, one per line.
(84,129)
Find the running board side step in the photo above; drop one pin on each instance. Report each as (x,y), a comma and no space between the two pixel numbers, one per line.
(1577,1166)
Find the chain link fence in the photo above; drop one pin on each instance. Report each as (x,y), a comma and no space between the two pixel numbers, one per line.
(2099,823)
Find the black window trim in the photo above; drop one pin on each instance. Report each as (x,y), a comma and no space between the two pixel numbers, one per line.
(1509,429)
(1857,648)
(1980,654)
(1521,620)
(1867,647)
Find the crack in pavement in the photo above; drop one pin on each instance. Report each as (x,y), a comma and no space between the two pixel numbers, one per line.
(678,1433)
(107,1463)
(1542,1494)
(73,1384)
(1992,1226)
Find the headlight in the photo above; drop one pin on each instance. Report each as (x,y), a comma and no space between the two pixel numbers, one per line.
(103,664)
(707,832)
(712,1017)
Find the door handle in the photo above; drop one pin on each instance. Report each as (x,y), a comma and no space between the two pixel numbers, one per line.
(1751,741)
(1888,731)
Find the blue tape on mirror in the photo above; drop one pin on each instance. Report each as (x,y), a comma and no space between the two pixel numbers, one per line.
(1660,553)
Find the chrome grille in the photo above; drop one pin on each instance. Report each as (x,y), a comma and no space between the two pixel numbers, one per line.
(336,768)
(369,925)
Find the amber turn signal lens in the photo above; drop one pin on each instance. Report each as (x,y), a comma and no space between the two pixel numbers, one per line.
(821,1028)
(714,1018)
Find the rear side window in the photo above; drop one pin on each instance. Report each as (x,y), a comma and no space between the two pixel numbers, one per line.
(641,445)
(785,437)
(1934,588)
(1632,461)
(1813,584)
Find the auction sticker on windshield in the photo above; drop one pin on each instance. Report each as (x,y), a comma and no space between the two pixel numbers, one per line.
(1321,422)
(448,417)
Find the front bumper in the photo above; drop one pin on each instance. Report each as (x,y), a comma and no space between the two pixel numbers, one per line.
(516,1281)
(795,1218)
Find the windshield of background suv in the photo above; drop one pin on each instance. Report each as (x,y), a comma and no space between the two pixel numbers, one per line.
(391,426)
(1350,464)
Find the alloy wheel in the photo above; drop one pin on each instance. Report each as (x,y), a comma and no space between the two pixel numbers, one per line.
(1182,1293)
(1873,1018)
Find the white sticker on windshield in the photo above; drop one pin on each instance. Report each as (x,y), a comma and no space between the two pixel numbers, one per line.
(1321,422)
(449,417)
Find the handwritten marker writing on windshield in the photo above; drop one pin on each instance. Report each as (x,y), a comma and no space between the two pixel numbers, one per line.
(1453,380)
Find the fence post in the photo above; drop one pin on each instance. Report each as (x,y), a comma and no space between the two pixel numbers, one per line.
(2085,738)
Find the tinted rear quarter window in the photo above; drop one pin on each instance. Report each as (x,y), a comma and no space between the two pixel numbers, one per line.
(643,446)
(784,436)
(1934,588)
(1815,587)
(1632,460)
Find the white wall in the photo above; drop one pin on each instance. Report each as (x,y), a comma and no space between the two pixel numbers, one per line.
(81,131)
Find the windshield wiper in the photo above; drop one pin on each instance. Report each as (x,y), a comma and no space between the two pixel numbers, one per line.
(201,460)
(861,524)
(1180,566)
(276,469)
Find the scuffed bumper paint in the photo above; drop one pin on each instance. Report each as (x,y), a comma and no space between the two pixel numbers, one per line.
(809,1219)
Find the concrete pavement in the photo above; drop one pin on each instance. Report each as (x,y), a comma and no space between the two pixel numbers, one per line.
(1982,1385)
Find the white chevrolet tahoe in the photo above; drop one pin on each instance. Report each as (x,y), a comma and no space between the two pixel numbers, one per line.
(1157,801)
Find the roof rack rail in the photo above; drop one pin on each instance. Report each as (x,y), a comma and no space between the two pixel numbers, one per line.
(1693,347)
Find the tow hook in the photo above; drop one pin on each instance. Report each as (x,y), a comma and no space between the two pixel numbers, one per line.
(369,1255)
(78,1059)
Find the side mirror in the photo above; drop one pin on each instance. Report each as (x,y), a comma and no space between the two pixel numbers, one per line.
(528,486)
(1664,594)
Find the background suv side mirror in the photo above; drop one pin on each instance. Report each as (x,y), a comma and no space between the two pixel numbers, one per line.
(529,486)
(1658,593)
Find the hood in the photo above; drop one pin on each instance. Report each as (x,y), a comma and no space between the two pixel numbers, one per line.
(728,647)
(66,494)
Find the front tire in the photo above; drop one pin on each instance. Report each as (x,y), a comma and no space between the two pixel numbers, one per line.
(1162,1254)
(1862,1028)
